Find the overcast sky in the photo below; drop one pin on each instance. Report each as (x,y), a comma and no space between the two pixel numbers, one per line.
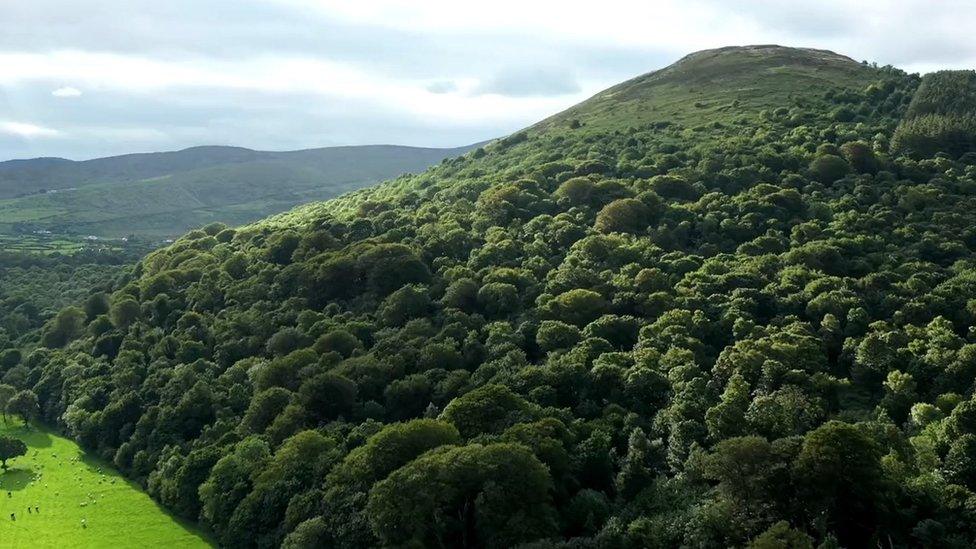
(81,79)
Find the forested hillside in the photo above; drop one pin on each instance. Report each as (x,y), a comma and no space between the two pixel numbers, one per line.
(35,287)
(710,307)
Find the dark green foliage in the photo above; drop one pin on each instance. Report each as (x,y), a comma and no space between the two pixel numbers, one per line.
(67,325)
(577,306)
(10,448)
(840,471)
(347,486)
(406,303)
(860,156)
(327,396)
(672,187)
(124,312)
(471,496)
(313,532)
(498,298)
(944,92)
(555,334)
(339,341)
(388,267)
(23,404)
(96,304)
(960,462)
(626,215)
(781,536)
(829,168)
(941,116)
(264,408)
(6,393)
(929,134)
(487,409)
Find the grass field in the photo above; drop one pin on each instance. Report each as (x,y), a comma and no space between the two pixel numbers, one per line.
(68,486)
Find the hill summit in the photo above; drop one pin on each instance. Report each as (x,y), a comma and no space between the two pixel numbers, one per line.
(713,84)
(718,305)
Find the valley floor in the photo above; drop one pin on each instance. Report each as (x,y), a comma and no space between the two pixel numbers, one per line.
(80,501)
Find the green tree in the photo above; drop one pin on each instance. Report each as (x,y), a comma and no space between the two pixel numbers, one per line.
(781,536)
(23,404)
(472,496)
(727,418)
(298,464)
(555,334)
(498,298)
(408,302)
(347,486)
(124,312)
(67,325)
(6,393)
(829,168)
(263,409)
(579,306)
(487,409)
(860,156)
(96,304)
(625,215)
(839,472)
(10,448)
(635,473)
(339,341)
(327,396)
(314,532)
(230,481)
(960,461)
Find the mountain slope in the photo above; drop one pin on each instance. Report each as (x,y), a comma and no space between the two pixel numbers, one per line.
(718,94)
(164,194)
(645,322)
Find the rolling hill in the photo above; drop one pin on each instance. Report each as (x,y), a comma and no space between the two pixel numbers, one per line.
(718,305)
(164,194)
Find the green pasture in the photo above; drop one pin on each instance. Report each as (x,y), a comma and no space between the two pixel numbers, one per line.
(78,500)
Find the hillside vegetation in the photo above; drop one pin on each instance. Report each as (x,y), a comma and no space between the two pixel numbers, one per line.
(941,116)
(706,308)
(35,287)
(165,194)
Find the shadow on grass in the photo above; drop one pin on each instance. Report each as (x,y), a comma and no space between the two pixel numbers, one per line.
(32,436)
(96,464)
(15,479)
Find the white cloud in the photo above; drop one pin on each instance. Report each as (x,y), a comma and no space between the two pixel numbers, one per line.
(27,130)
(887,31)
(66,91)
(273,75)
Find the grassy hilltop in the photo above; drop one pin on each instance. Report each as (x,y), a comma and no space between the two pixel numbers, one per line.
(728,303)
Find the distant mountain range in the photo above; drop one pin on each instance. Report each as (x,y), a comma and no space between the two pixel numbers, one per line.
(164,194)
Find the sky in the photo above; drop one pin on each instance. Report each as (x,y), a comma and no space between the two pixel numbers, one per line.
(102,77)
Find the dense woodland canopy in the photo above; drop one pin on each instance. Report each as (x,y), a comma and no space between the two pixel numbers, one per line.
(703,309)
